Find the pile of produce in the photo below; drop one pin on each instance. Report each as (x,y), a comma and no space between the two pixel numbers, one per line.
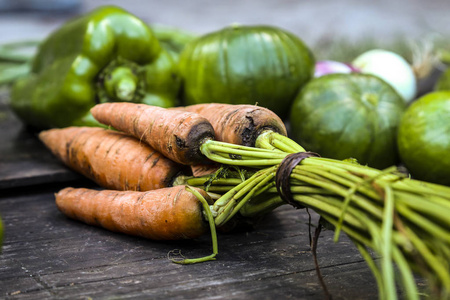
(402,219)
(169,129)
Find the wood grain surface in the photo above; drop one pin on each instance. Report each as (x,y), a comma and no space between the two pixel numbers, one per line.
(24,160)
(48,256)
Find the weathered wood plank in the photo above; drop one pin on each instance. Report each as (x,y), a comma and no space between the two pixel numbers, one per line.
(24,160)
(47,255)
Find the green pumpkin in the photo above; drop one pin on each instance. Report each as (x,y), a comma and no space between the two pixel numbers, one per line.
(344,116)
(424,138)
(261,65)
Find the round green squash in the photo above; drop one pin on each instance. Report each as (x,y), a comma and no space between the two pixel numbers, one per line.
(344,116)
(261,65)
(424,138)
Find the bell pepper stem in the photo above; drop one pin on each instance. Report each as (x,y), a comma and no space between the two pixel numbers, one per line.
(121,84)
(125,89)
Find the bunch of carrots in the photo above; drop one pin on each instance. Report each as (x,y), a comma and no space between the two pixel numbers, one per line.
(174,173)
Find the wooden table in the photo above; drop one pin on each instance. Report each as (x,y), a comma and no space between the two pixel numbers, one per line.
(48,256)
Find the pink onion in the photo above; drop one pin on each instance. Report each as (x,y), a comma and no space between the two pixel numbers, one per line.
(325,67)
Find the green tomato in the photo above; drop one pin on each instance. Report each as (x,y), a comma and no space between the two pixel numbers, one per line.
(261,65)
(344,116)
(424,138)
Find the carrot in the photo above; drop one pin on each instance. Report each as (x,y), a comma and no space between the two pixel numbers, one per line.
(204,169)
(111,159)
(142,121)
(238,124)
(164,214)
(175,134)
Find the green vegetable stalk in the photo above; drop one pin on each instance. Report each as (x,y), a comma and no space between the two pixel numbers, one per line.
(105,55)
(403,220)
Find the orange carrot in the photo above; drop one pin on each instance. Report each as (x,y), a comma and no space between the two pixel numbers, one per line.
(204,169)
(111,159)
(175,134)
(164,214)
(238,124)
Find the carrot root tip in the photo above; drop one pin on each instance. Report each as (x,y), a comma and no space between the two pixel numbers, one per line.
(177,257)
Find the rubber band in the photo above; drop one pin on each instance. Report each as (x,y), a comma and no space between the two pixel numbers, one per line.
(282,181)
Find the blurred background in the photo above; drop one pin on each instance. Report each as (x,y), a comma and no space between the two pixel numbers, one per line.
(352,23)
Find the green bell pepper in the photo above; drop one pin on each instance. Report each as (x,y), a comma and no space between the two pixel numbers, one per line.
(104,56)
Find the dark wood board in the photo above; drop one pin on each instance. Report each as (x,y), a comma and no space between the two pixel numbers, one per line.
(24,160)
(48,256)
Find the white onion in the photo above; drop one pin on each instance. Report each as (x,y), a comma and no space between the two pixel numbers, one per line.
(390,67)
(325,67)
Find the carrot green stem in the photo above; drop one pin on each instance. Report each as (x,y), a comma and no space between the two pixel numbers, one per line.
(229,205)
(212,227)
(408,280)
(425,207)
(372,266)
(386,252)
(331,207)
(348,198)
(200,181)
(274,141)
(259,186)
(425,224)
(376,208)
(328,185)
(257,207)
(305,189)
(440,270)
(229,154)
